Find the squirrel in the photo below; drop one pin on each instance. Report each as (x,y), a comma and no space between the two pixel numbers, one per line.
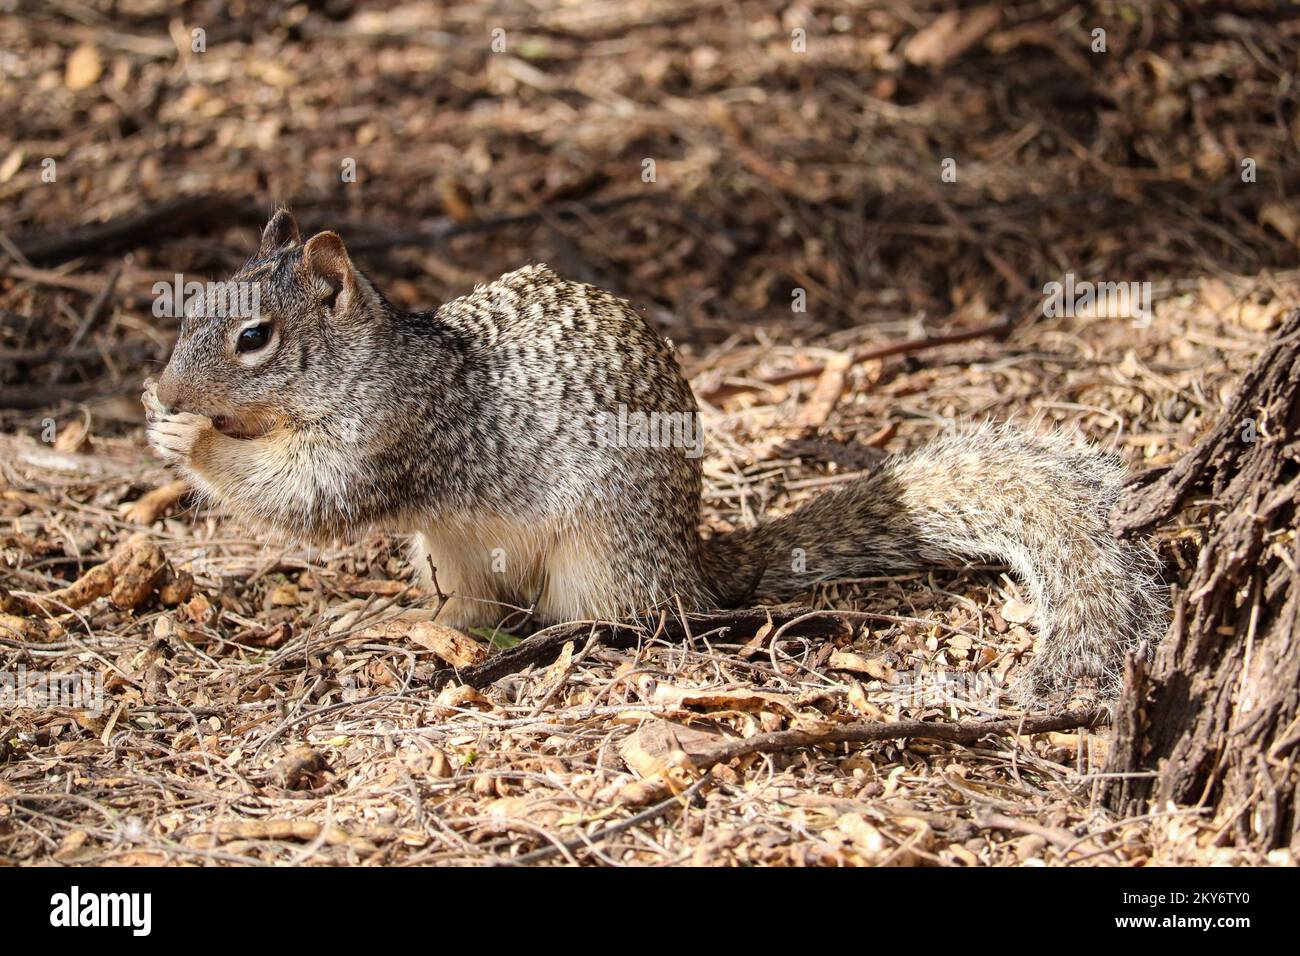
(489,431)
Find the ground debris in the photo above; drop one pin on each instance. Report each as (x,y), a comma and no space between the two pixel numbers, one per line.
(831,298)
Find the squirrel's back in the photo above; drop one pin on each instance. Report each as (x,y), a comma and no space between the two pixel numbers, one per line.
(566,345)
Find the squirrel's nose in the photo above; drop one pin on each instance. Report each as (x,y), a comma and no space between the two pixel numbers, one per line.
(169,392)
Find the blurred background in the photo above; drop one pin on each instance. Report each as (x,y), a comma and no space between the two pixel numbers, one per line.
(912,167)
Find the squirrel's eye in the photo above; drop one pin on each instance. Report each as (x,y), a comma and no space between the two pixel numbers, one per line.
(253,337)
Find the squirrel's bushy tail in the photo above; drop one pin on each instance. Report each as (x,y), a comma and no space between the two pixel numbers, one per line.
(982,492)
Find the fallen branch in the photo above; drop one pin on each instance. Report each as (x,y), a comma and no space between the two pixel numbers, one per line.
(545,646)
(996,329)
(208,212)
(175,217)
(128,351)
(446,228)
(59,280)
(46,396)
(960,732)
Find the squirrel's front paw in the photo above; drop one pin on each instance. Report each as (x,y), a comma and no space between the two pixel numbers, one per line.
(175,437)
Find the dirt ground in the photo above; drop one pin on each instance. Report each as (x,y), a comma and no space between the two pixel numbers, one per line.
(771,183)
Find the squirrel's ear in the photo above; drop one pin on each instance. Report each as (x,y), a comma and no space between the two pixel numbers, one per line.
(279,232)
(325,260)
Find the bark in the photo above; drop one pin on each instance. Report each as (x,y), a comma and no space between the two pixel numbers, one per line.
(1216,716)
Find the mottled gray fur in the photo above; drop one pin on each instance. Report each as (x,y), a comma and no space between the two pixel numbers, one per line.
(473,429)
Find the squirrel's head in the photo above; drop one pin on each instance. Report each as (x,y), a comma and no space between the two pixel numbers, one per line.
(279,340)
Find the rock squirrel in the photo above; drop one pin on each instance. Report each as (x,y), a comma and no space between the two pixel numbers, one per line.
(497,432)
